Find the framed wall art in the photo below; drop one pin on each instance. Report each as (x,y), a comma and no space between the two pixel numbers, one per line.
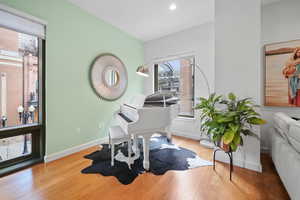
(282,74)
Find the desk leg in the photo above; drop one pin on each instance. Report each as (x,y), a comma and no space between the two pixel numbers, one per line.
(146,142)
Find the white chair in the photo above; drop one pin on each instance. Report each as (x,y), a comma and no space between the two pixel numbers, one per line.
(117,136)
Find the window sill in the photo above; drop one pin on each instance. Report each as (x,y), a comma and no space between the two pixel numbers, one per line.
(185,118)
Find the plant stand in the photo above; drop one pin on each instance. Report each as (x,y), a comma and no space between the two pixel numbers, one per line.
(229,153)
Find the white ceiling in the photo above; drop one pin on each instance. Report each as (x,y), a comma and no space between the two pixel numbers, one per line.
(150,19)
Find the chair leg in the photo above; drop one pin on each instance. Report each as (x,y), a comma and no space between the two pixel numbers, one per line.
(129,154)
(169,137)
(112,154)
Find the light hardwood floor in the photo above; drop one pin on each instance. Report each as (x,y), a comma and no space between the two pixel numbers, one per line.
(62,180)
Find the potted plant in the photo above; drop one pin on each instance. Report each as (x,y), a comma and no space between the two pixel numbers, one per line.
(227,119)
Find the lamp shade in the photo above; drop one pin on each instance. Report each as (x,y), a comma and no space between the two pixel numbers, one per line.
(143,71)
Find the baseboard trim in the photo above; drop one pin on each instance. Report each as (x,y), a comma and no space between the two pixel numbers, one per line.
(253,166)
(190,136)
(265,150)
(222,157)
(75,149)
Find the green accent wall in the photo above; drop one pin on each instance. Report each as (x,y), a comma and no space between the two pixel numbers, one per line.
(74,38)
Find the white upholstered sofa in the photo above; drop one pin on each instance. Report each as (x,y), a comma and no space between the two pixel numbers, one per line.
(285,150)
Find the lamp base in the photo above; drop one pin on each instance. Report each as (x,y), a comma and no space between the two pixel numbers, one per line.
(207,144)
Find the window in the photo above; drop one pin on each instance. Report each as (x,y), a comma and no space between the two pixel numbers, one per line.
(21,91)
(177,76)
(14,147)
(19,102)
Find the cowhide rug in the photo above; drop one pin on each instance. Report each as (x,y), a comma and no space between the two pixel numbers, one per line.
(163,156)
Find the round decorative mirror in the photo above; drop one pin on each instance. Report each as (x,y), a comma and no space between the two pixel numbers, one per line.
(111,77)
(108,76)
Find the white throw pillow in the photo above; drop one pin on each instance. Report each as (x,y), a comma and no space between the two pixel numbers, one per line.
(294,136)
(282,123)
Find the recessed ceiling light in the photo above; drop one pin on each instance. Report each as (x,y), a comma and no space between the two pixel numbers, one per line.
(172,6)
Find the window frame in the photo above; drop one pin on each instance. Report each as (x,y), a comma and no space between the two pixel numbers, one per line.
(37,130)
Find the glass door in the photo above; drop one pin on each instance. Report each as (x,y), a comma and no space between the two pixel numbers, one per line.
(21,98)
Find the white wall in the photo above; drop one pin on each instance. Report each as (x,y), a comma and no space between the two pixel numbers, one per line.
(197,41)
(280,22)
(238,63)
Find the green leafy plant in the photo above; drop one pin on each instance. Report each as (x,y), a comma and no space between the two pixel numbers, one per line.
(227,118)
